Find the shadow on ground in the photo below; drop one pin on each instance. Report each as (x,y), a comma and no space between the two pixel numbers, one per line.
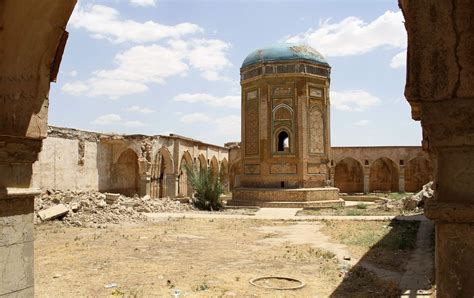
(400,264)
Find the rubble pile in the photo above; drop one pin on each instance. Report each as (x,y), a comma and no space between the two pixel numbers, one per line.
(93,208)
(417,201)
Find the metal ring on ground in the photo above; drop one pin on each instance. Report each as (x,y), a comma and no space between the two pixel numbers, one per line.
(301,283)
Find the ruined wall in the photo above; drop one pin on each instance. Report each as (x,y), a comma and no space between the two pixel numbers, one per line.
(135,164)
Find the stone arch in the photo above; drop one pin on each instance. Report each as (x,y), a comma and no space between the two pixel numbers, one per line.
(235,171)
(383,175)
(201,162)
(224,174)
(184,186)
(282,112)
(214,166)
(349,175)
(418,172)
(162,174)
(125,177)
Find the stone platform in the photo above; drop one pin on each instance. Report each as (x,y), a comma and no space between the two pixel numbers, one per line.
(286,198)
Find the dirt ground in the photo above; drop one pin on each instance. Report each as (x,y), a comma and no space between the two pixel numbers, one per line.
(195,257)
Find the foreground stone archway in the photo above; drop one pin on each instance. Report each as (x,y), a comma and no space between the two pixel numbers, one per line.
(418,172)
(349,176)
(383,175)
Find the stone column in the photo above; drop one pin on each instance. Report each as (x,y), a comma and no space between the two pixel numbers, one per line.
(401,179)
(32,40)
(440,90)
(366,179)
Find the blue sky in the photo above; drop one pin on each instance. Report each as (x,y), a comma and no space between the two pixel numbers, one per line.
(159,67)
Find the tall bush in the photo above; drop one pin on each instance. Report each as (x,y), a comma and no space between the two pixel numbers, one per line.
(207,188)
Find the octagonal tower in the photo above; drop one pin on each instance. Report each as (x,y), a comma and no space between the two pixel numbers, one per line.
(285,127)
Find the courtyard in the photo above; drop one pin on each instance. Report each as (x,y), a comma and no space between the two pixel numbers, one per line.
(216,257)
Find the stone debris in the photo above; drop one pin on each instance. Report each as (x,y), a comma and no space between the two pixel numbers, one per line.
(418,200)
(92,208)
(53,212)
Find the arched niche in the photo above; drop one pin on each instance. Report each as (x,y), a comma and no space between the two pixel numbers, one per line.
(418,172)
(125,178)
(162,174)
(383,175)
(349,176)
(184,185)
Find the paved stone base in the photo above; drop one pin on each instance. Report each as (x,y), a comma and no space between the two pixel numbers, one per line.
(286,198)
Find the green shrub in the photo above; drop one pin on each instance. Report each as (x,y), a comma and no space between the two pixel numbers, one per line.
(207,188)
(361,206)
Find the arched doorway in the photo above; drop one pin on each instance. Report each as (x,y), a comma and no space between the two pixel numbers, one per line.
(224,174)
(125,174)
(349,176)
(214,167)
(184,186)
(162,175)
(383,175)
(202,163)
(418,172)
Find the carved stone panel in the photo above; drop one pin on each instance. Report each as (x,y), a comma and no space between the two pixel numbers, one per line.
(284,168)
(315,92)
(252,169)
(282,91)
(316,131)
(282,114)
(252,124)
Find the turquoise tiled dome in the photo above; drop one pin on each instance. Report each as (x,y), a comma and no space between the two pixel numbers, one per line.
(285,52)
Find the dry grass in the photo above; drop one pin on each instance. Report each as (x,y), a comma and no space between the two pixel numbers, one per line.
(198,257)
(383,243)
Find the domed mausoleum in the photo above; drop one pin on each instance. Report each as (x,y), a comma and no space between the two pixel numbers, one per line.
(285,128)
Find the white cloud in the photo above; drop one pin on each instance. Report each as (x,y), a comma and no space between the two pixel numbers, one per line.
(112,89)
(231,101)
(114,119)
(73,73)
(107,119)
(362,123)
(75,88)
(195,118)
(143,2)
(103,22)
(399,60)
(209,56)
(228,126)
(134,123)
(353,100)
(139,109)
(353,36)
(146,64)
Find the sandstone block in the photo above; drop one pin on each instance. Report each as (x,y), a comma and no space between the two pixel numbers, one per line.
(53,212)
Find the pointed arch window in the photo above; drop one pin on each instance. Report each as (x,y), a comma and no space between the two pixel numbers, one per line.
(283,141)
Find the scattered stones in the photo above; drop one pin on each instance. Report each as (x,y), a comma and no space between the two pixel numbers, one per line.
(418,200)
(95,209)
(53,212)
